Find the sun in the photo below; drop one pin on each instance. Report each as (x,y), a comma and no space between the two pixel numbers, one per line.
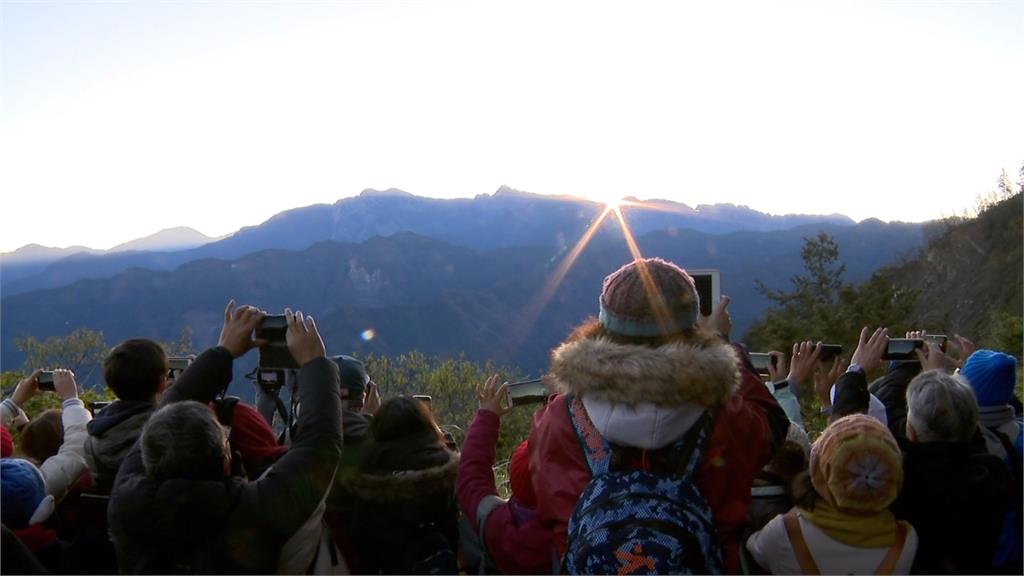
(612,200)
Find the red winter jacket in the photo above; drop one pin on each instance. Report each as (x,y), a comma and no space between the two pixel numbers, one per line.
(647,397)
(513,536)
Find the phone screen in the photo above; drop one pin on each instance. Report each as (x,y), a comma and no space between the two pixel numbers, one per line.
(527,392)
(761,362)
(902,348)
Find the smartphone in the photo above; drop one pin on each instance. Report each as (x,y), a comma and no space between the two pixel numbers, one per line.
(96,407)
(45,381)
(709,288)
(426,399)
(939,340)
(761,362)
(829,352)
(275,353)
(177,365)
(902,349)
(526,392)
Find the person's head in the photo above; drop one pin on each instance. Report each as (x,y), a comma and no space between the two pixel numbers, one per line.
(42,437)
(992,375)
(184,440)
(353,382)
(647,302)
(136,370)
(792,457)
(856,465)
(940,408)
(403,417)
(23,498)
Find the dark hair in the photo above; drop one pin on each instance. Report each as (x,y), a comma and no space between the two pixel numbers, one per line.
(402,417)
(135,368)
(592,329)
(42,437)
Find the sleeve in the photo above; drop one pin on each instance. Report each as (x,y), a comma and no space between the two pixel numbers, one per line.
(62,470)
(891,389)
(294,486)
(8,412)
(770,547)
(788,401)
(475,480)
(851,396)
(205,377)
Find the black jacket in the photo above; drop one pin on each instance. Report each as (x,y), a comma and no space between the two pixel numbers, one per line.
(228,526)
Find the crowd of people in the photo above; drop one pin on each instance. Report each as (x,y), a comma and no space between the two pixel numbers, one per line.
(660,449)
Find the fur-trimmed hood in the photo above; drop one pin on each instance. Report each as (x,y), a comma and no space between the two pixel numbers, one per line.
(674,374)
(408,484)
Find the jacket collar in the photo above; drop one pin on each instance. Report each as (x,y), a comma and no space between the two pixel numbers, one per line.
(674,374)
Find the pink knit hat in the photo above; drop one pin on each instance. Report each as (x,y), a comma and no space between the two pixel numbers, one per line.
(648,298)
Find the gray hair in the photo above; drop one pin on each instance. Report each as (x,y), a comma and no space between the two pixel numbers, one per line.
(184,440)
(941,407)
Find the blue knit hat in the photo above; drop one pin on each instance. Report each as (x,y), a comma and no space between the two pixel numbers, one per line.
(23,498)
(992,375)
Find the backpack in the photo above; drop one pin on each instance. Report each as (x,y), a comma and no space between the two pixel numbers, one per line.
(638,521)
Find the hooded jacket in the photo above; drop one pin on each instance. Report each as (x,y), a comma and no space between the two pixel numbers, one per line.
(409,483)
(228,525)
(647,398)
(111,435)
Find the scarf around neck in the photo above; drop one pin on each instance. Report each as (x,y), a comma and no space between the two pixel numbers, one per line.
(866,530)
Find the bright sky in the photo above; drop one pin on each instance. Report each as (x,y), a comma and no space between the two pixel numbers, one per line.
(118,119)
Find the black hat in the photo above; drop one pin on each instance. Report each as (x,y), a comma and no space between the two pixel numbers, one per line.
(353,373)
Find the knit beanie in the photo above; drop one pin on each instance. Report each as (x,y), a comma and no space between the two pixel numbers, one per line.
(6,443)
(23,498)
(253,438)
(856,465)
(992,375)
(649,297)
(519,476)
(353,373)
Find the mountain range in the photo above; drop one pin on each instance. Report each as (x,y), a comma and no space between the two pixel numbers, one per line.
(472,276)
(506,218)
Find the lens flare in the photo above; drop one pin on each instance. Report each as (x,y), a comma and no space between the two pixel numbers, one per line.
(367,335)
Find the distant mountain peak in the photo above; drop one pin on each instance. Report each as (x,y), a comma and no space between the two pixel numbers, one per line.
(176,238)
(390,192)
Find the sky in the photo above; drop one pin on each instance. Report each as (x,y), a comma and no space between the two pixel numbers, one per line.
(118,119)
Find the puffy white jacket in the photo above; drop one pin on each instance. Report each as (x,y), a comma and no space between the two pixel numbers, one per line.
(61,470)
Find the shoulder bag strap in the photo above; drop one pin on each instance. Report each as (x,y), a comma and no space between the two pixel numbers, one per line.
(800,549)
(595,448)
(893,555)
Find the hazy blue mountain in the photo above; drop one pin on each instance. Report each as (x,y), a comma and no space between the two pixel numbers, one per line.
(506,218)
(422,293)
(34,259)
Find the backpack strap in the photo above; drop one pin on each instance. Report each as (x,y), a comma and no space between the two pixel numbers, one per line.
(693,443)
(892,556)
(800,549)
(595,448)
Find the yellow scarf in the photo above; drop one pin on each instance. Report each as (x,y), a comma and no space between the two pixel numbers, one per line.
(870,530)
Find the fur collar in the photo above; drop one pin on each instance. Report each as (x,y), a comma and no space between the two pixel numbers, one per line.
(408,484)
(670,375)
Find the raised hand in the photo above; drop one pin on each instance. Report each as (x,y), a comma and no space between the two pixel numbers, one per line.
(492,396)
(64,384)
(237,333)
(303,339)
(868,354)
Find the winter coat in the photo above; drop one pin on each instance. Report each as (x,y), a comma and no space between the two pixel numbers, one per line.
(111,435)
(391,501)
(228,525)
(512,534)
(891,389)
(62,470)
(771,549)
(670,387)
(957,497)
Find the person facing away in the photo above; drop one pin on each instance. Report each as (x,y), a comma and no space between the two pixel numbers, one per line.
(136,372)
(405,507)
(955,494)
(842,523)
(175,506)
(644,373)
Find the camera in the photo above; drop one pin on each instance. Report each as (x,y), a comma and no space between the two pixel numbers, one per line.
(426,399)
(44,381)
(939,340)
(902,349)
(526,392)
(96,407)
(829,352)
(275,354)
(177,365)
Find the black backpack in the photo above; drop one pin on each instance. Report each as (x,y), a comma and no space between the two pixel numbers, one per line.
(427,551)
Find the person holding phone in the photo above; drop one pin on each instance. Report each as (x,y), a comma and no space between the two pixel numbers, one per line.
(513,538)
